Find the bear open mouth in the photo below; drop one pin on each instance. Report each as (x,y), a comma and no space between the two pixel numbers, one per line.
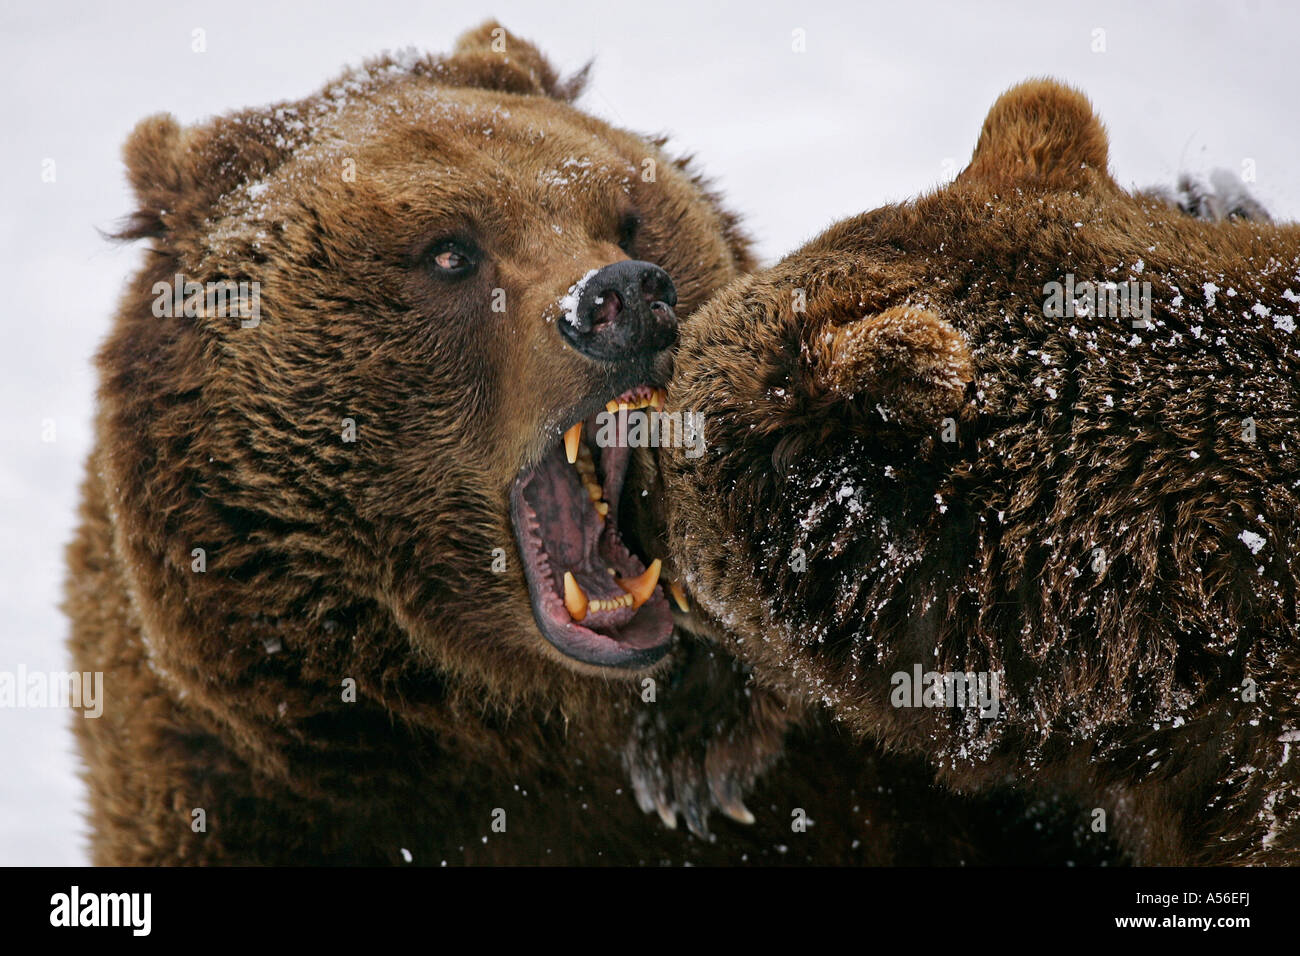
(592,598)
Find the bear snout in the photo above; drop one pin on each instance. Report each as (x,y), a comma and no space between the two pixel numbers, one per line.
(622,311)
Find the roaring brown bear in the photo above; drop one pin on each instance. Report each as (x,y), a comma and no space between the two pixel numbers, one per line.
(1009,478)
(330,525)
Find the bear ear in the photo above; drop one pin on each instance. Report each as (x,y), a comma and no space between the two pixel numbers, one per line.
(178,173)
(908,361)
(154,168)
(1041,133)
(490,57)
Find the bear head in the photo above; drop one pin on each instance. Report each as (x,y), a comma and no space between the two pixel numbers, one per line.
(1030,425)
(333,405)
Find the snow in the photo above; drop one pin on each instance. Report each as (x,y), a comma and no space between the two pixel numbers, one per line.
(870,113)
(1253,541)
(569,303)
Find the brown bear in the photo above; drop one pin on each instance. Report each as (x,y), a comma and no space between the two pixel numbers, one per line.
(328,521)
(1009,478)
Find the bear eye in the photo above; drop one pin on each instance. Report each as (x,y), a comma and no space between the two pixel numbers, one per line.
(627,230)
(452,259)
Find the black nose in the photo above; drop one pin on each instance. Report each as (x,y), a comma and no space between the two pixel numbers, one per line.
(623,311)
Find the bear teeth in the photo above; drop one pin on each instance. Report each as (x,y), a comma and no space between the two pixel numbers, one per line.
(575,599)
(572,439)
(642,586)
(638,591)
(652,398)
(679,596)
(613,604)
(579,455)
(582,461)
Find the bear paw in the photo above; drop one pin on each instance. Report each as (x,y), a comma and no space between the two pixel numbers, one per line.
(703,743)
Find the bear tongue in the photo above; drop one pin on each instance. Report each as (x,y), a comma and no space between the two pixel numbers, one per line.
(576,539)
(567,521)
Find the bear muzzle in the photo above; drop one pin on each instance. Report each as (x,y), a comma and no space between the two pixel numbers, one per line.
(622,312)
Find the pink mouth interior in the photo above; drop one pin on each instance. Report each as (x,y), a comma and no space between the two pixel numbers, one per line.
(559,530)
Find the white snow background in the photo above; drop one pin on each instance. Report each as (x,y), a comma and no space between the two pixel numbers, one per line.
(886,102)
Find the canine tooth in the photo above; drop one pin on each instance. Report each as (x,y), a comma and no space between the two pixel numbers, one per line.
(575,601)
(643,585)
(657,399)
(679,596)
(572,439)
(611,406)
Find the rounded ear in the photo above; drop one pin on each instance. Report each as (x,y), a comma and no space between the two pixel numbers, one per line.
(911,363)
(178,173)
(1041,133)
(490,57)
(154,168)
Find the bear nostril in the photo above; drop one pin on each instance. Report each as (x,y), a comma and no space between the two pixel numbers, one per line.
(607,307)
(657,287)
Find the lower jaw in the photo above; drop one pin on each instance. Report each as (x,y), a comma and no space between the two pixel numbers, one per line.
(650,626)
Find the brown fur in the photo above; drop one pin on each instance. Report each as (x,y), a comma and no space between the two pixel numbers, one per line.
(1127,682)
(371,561)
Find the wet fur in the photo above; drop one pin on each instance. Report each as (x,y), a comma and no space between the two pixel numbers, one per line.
(370,561)
(1124,686)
